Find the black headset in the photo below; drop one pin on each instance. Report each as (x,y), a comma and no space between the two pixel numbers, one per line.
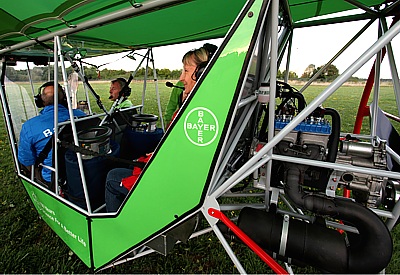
(38,98)
(125,90)
(211,49)
(200,69)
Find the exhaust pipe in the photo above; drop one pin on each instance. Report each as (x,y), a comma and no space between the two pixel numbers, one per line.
(310,244)
(316,245)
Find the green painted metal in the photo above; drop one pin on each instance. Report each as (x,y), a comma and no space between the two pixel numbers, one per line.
(70,225)
(306,9)
(175,181)
(184,21)
(178,23)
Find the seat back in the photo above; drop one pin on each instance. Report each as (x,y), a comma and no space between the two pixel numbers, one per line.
(66,135)
(386,131)
(119,121)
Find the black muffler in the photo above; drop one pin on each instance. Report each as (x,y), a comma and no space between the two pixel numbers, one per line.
(311,244)
(316,245)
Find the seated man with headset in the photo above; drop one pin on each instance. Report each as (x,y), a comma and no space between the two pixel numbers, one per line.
(37,131)
(120,88)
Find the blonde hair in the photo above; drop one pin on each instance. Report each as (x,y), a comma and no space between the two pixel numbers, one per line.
(195,57)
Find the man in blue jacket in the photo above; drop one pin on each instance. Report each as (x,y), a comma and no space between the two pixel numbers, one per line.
(37,131)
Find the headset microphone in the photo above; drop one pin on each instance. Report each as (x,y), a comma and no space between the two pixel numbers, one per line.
(170,85)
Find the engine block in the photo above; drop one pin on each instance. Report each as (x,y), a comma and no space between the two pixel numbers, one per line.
(367,189)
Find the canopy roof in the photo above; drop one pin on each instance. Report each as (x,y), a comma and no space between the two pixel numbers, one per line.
(110,26)
(311,9)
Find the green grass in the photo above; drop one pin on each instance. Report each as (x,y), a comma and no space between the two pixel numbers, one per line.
(28,245)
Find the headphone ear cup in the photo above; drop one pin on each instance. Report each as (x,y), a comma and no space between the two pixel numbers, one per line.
(64,101)
(38,100)
(126,91)
(199,70)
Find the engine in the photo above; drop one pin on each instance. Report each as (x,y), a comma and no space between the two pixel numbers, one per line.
(308,140)
(367,189)
(313,189)
(317,138)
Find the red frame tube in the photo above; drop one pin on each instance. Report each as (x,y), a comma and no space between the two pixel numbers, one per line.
(363,109)
(249,242)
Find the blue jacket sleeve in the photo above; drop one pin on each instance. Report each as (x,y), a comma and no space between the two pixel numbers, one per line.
(79,113)
(26,150)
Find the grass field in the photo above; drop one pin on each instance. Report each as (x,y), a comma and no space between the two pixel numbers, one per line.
(28,245)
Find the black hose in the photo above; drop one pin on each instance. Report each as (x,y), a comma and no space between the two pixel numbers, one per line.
(334,137)
(370,251)
(370,255)
(301,102)
(313,202)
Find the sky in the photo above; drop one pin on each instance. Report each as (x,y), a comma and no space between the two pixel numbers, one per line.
(313,45)
(317,45)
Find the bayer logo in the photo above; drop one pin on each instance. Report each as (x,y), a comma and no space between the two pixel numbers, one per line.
(201,126)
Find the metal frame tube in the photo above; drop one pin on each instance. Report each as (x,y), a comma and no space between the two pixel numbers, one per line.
(147,56)
(272,88)
(156,86)
(57,50)
(288,57)
(233,144)
(82,68)
(31,83)
(7,117)
(261,155)
(377,80)
(358,34)
(55,148)
(393,69)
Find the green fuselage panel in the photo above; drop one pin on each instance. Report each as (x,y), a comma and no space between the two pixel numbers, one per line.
(70,225)
(176,179)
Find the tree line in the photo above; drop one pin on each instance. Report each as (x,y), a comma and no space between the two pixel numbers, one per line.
(330,73)
(42,74)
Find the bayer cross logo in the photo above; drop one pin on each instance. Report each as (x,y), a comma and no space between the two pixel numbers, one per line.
(201,126)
